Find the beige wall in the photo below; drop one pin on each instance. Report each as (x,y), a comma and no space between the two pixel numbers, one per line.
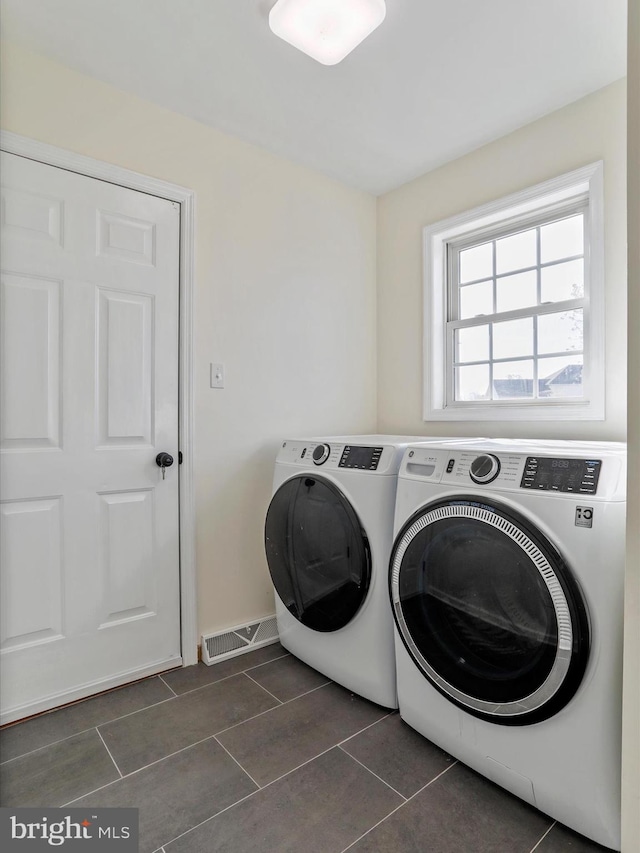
(590,129)
(631,710)
(285,297)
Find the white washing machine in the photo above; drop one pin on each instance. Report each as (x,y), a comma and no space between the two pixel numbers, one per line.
(328,536)
(506,581)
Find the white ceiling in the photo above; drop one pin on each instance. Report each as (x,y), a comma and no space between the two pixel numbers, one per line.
(434,81)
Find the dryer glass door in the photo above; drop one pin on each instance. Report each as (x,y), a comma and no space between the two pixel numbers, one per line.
(489,610)
(318,553)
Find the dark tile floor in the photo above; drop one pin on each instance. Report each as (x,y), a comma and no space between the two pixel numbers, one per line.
(261,752)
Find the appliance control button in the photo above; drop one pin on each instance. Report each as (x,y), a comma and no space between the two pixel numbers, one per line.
(321,454)
(484,468)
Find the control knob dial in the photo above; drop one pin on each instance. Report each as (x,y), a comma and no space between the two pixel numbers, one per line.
(321,454)
(484,468)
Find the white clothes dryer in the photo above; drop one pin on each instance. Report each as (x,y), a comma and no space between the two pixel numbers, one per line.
(506,581)
(328,536)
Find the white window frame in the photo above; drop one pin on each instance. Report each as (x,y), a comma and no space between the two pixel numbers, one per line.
(526,207)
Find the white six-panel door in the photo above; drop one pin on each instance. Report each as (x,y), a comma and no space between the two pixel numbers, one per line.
(89,397)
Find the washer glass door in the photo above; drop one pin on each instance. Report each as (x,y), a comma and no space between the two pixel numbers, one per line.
(318,553)
(489,610)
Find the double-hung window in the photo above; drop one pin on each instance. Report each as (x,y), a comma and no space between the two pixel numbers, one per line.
(514,296)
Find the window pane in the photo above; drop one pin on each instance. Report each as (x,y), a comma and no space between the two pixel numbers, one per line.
(472,344)
(560,377)
(513,338)
(516,252)
(562,239)
(560,332)
(562,281)
(516,291)
(472,383)
(476,299)
(476,262)
(512,380)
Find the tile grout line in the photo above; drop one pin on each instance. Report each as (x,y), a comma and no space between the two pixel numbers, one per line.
(109,751)
(300,766)
(238,763)
(267,662)
(402,805)
(319,754)
(435,779)
(222,811)
(259,788)
(539,842)
(227,677)
(140,769)
(90,728)
(76,734)
(366,728)
(202,740)
(268,710)
(264,688)
(197,743)
(215,737)
(169,686)
(146,708)
(293,770)
(253,793)
(368,769)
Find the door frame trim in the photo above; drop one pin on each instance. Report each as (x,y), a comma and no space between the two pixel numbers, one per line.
(23,146)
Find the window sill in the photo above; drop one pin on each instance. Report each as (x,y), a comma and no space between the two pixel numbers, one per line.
(502,412)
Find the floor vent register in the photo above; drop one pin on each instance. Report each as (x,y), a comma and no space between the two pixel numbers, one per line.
(237,641)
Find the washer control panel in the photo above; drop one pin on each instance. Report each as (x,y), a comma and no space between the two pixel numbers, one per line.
(503,468)
(561,475)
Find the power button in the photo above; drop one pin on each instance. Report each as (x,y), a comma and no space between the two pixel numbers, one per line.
(450,465)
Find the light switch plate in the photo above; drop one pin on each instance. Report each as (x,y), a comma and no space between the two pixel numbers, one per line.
(216,375)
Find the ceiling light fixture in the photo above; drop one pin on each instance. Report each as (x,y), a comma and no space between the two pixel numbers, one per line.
(326,30)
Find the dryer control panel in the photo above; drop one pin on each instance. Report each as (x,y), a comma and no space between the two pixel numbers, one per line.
(330,456)
(362,458)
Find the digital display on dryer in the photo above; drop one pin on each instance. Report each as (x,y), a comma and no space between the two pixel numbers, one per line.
(561,475)
(362,458)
